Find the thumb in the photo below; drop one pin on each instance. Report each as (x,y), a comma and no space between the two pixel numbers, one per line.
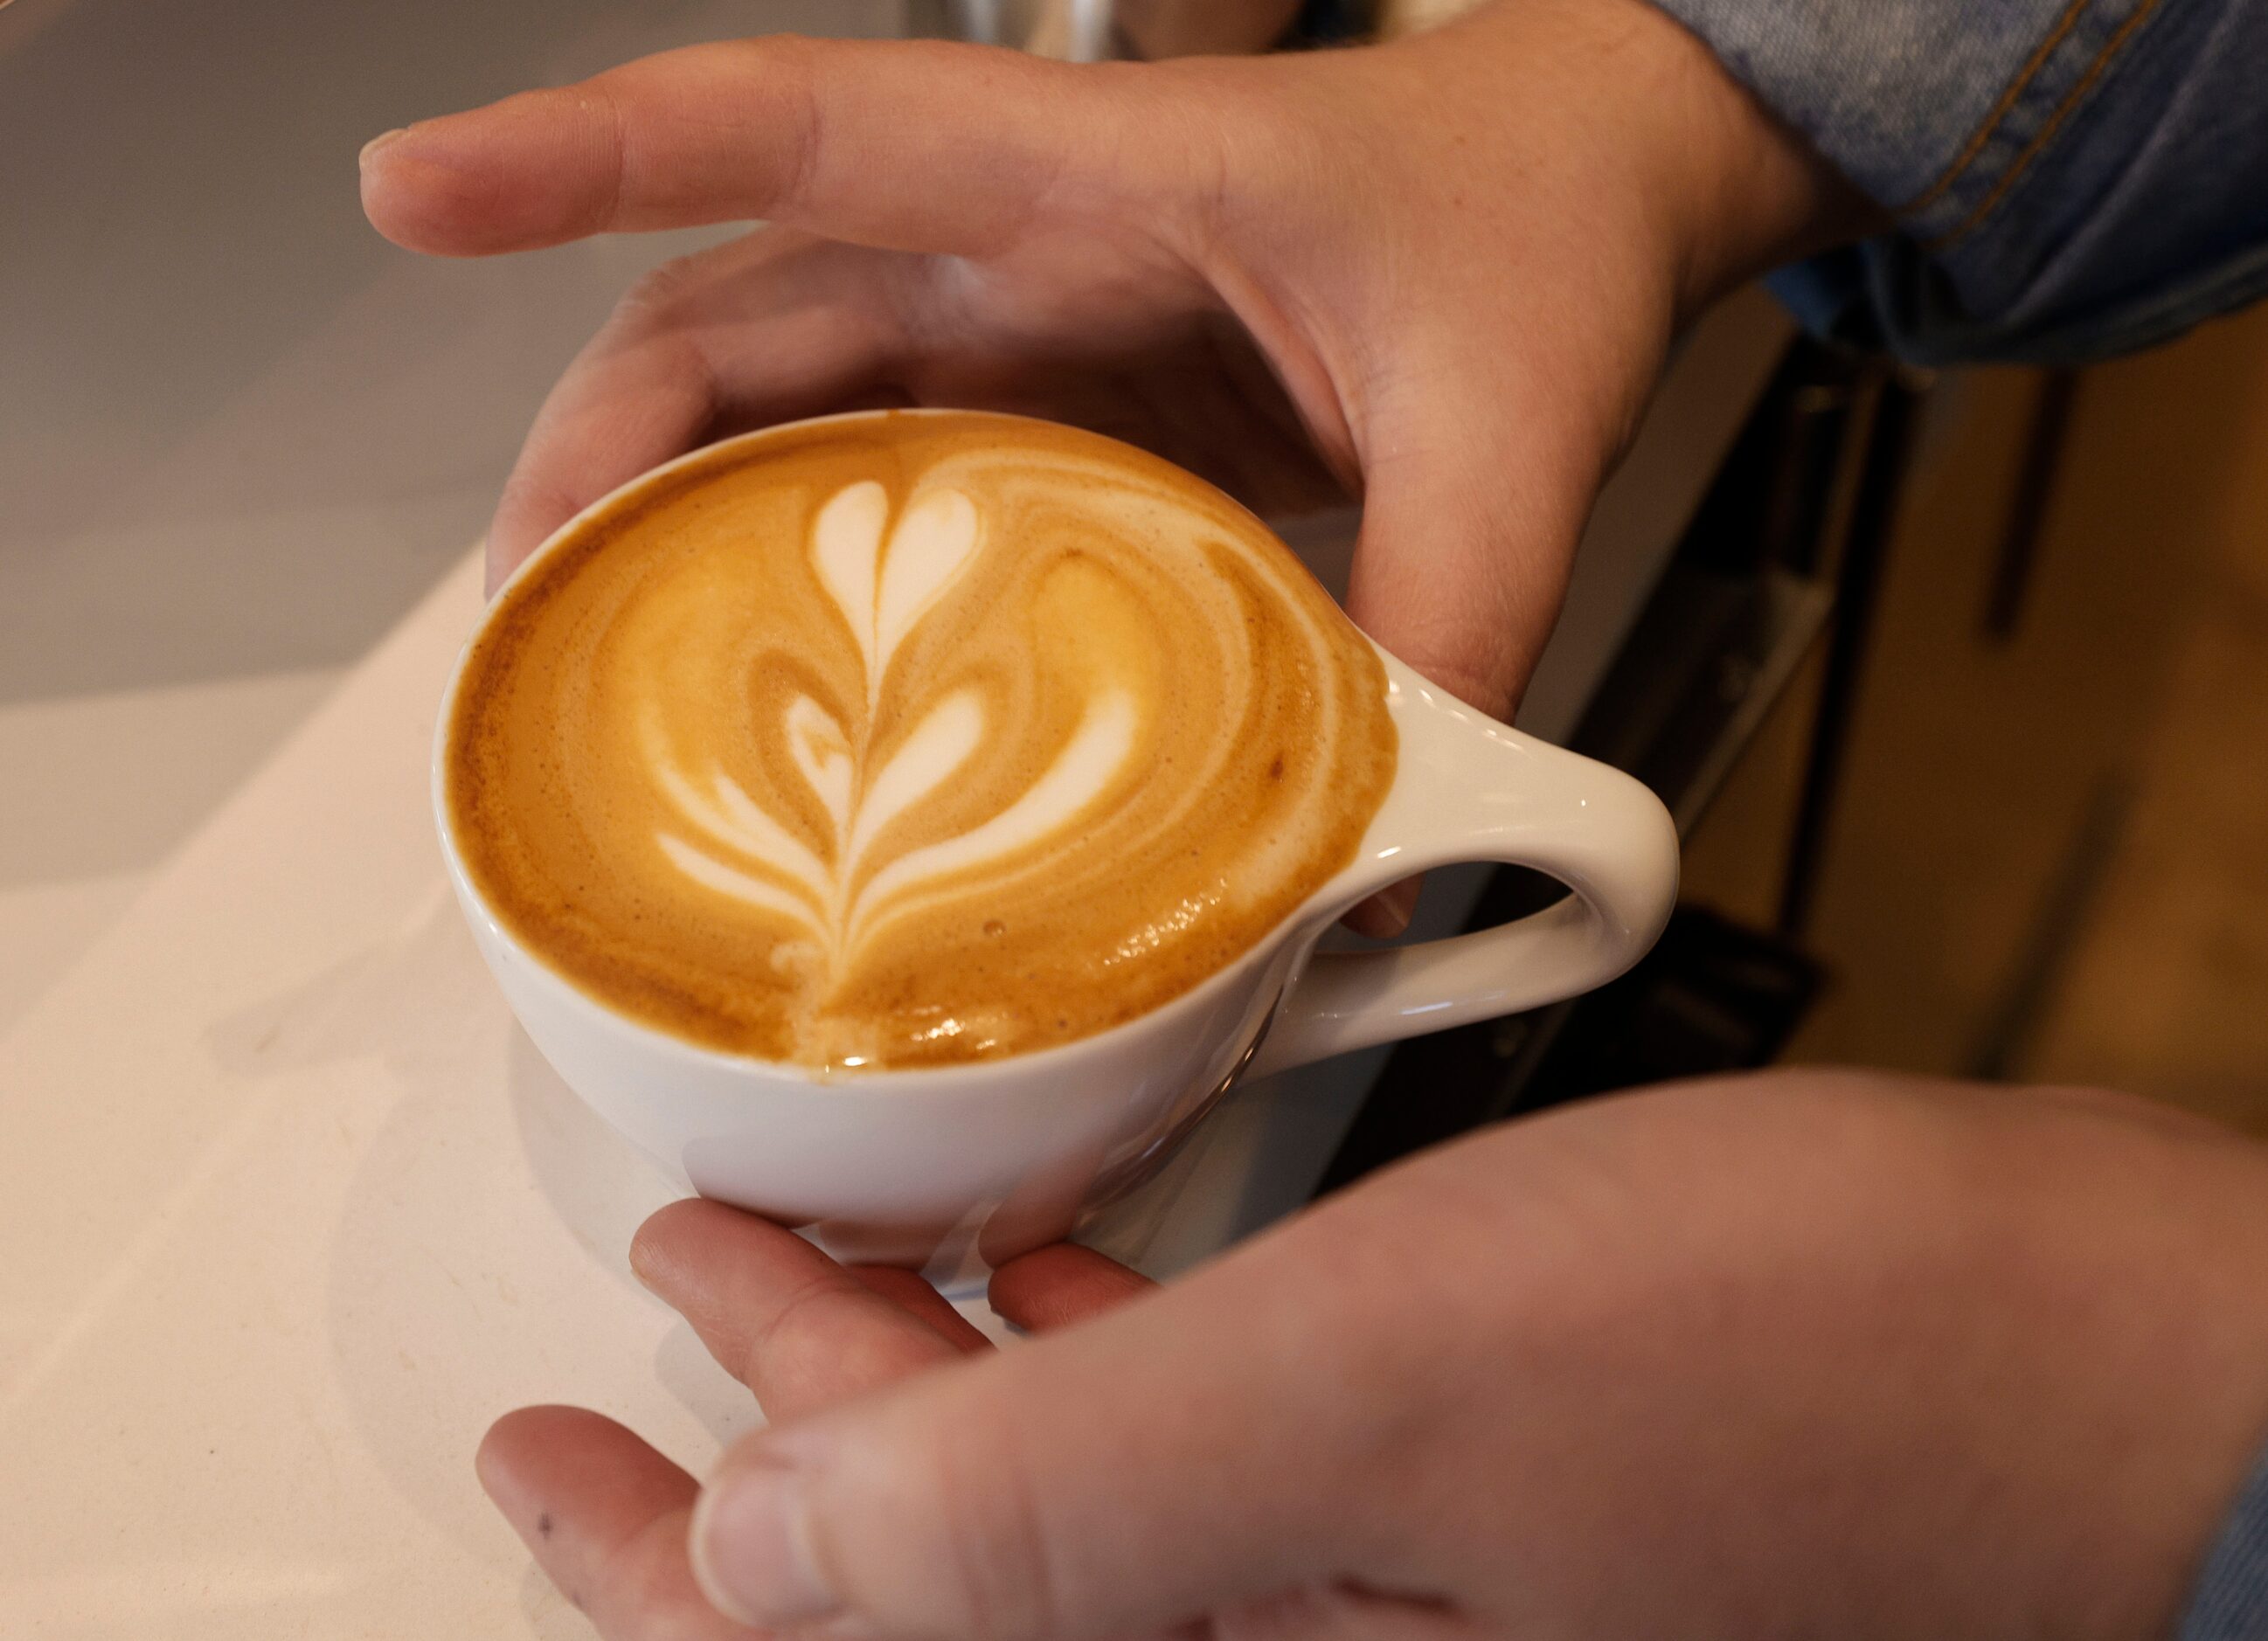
(1181,1454)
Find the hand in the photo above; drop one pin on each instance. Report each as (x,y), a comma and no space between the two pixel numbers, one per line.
(1439,274)
(1809,1354)
(606,1516)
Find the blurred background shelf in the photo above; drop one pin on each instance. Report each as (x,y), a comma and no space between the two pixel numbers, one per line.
(2050,856)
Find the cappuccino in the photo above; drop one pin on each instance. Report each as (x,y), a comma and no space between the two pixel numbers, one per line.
(909,740)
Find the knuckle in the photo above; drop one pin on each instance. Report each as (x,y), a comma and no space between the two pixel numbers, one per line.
(803,125)
(792,76)
(655,296)
(1000,1574)
(1238,149)
(1202,163)
(808,1320)
(642,1588)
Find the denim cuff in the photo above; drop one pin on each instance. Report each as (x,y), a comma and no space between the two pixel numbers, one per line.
(2231,1602)
(2068,177)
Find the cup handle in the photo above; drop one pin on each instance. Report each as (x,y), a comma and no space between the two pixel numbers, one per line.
(1472,789)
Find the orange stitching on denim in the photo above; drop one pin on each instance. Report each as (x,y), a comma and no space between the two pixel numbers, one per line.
(2095,70)
(2016,88)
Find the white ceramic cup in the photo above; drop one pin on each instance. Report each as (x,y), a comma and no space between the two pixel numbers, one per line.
(956,1168)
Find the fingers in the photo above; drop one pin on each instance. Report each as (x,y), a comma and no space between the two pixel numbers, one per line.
(1387,913)
(799,1331)
(605,1516)
(630,401)
(1465,552)
(1063,1284)
(767,329)
(1193,1448)
(918,145)
(796,1327)
(909,1291)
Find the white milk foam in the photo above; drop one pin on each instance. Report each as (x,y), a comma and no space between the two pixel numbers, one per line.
(883,580)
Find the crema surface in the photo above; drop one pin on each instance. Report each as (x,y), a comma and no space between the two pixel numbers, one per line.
(910,740)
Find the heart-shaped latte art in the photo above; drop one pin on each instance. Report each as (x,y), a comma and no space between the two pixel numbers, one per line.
(884,580)
(959,738)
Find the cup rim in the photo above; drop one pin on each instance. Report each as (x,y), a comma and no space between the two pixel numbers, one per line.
(959,1075)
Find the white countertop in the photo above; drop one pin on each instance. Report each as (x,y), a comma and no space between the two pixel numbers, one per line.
(289,1209)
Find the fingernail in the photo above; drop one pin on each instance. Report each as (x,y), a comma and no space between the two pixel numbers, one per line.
(751,1548)
(653,1274)
(379,142)
(638,1261)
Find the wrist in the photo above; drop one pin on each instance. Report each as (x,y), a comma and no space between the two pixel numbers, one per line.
(1734,190)
(1747,191)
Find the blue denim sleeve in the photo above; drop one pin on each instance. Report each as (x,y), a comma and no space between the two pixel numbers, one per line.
(2231,1602)
(2068,177)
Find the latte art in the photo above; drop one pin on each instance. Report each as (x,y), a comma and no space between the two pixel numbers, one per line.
(911,738)
(882,586)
